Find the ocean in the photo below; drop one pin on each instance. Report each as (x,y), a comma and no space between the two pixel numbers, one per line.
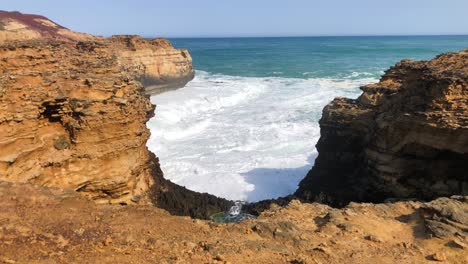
(246,127)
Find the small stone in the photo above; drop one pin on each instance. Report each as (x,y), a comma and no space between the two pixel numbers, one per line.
(62,143)
(108,241)
(9,261)
(219,257)
(151,241)
(406,245)
(136,198)
(278,232)
(130,239)
(439,256)
(457,244)
(372,238)
(323,249)
(80,231)
(349,212)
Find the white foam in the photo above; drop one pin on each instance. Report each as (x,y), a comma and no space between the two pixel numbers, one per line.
(242,138)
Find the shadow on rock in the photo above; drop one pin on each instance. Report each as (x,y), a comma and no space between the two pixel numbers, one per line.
(178,200)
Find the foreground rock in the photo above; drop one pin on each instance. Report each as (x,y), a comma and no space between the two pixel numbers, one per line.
(77,229)
(154,62)
(74,120)
(404,137)
(446,217)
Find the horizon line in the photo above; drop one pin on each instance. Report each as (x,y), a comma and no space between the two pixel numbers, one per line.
(307,36)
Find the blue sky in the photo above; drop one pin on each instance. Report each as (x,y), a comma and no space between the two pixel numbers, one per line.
(230,18)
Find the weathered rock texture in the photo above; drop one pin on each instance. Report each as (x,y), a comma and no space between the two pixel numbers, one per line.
(404,137)
(447,217)
(17,26)
(71,118)
(47,225)
(157,64)
(73,115)
(154,62)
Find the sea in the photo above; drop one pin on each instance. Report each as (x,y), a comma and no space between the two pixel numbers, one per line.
(246,127)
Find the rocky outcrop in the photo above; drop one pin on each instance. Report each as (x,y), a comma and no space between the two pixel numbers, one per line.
(158,65)
(404,137)
(17,26)
(72,119)
(73,115)
(153,62)
(447,217)
(76,228)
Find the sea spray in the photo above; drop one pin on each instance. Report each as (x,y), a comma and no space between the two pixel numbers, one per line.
(245,128)
(242,138)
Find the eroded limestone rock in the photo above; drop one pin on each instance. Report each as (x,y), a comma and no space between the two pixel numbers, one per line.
(404,137)
(154,62)
(72,119)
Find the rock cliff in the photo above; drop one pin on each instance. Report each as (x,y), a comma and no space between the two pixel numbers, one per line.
(153,62)
(157,64)
(404,137)
(71,118)
(73,115)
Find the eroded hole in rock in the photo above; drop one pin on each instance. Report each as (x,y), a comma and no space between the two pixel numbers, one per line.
(52,110)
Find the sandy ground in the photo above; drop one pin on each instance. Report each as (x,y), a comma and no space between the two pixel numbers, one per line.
(42,225)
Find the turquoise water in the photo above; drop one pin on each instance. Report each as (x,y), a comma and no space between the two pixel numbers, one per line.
(246,127)
(312,57)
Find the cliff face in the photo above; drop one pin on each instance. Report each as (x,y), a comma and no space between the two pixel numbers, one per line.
(406,137)
(71,118)
(157,64)
(153,62)
(73,115)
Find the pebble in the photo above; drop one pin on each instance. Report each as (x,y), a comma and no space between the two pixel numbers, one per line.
(323,249)
(108,241)
(457,244)
(372,238)
(439,256)
(9,261)
(219,257)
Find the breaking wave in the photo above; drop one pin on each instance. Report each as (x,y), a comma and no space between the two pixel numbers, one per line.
(243,138)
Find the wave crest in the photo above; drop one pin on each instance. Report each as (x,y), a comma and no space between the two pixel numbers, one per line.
(249,138)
